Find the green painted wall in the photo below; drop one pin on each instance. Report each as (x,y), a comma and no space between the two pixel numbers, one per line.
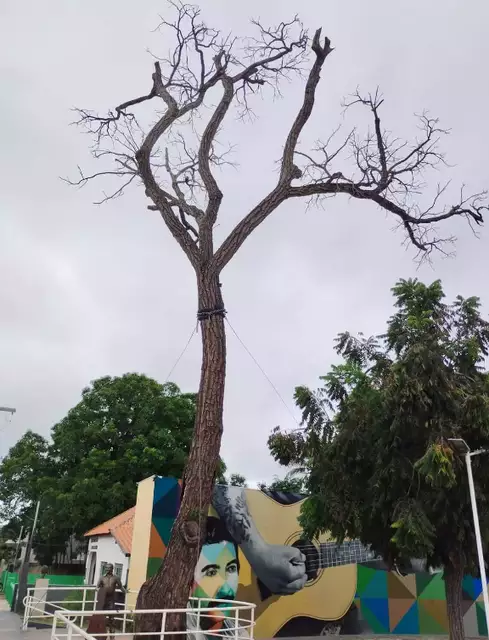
(9,580)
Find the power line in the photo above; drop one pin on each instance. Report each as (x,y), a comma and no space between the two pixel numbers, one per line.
(182,353)
(263,372)
(267,378)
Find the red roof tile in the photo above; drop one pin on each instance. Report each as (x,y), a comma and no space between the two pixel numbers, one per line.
(123,533)
(120,526)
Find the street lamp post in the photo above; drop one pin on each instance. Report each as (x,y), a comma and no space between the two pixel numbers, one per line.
(24,569)
(462,448)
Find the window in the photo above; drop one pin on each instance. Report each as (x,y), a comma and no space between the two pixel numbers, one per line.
(103,568)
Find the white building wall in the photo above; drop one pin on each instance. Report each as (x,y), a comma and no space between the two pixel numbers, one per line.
(107,551)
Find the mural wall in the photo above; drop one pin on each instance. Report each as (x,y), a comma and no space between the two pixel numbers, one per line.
(415,604)
(300,587)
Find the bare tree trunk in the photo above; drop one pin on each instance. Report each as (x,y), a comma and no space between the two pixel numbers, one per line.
(189,199)
(453,576)
(173,582)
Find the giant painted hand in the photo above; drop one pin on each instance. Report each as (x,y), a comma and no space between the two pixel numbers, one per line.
(280,568)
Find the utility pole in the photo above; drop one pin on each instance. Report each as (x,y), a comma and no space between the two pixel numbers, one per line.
(19,540)
(24,570)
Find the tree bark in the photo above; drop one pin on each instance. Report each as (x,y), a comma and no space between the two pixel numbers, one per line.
(172,584)
(453,576)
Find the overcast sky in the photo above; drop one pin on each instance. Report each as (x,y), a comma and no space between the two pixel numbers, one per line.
(88,291)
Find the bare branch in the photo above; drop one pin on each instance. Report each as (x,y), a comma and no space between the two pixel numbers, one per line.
(288,171)
(418,226)
(213,191)
(128,175)
(188,225)
(180,178)
(274,53)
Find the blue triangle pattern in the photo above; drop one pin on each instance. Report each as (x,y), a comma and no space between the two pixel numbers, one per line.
(377,587)
(476,588)
(379,607)
(468,586)
(166,497)
(409,623)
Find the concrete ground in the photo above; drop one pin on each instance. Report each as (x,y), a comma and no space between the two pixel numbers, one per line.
(10,630)
(10,626)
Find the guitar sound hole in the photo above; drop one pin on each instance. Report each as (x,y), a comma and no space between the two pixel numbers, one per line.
(312,557)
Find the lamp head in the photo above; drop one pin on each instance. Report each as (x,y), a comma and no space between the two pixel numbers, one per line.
(459,446)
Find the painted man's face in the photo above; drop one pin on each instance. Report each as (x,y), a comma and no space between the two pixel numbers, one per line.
(216,575)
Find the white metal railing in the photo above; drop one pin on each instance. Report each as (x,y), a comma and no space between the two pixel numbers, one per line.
(228,619)
(40,604)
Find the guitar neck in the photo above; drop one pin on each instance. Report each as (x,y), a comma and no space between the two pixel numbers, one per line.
(332,554)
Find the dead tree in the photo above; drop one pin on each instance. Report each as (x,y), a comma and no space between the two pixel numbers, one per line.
(176,159)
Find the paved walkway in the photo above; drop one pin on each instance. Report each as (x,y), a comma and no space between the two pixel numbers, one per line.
(10,626)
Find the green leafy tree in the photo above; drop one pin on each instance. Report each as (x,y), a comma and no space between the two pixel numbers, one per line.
(20,472)
(376,437)
(237,480)
(234,480)
(124,429)
(291,483)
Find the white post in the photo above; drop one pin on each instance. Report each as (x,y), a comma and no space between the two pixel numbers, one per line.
(84,598)
(236,624)
(198,614)
(480,553)
(25,622)
(163,625)
(19,540)
(24,570)
(252,622)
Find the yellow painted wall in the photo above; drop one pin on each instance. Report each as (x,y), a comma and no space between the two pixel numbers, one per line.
(326,597)
(140,538)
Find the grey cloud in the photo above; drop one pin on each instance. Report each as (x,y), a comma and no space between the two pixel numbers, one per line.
(88,291)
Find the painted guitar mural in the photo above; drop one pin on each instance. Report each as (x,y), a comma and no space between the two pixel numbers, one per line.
(323,574)
(255,551)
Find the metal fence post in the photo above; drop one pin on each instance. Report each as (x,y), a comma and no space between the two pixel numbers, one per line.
(236,624)
(163,625)
(25,621)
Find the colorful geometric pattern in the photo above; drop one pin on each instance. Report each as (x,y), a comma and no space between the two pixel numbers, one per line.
(385,602)
(166,502)
(415,604)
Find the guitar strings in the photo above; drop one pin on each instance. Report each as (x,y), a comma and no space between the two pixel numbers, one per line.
(333,546)
(331,554)
(319,565)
